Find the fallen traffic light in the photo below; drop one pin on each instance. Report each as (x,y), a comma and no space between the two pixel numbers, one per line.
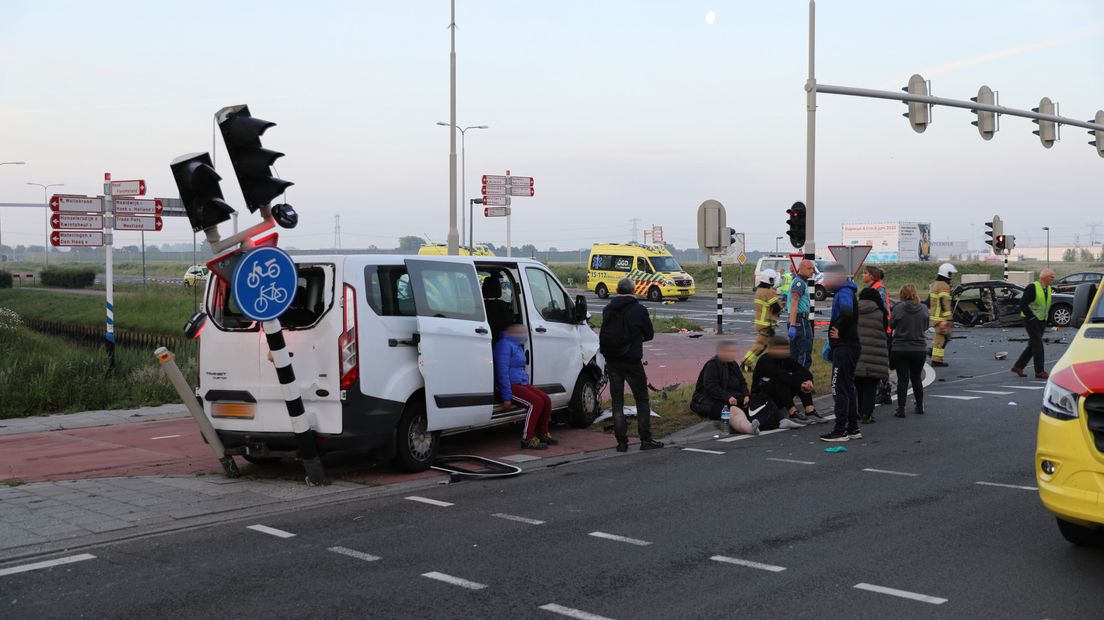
(198,184)
(252,163)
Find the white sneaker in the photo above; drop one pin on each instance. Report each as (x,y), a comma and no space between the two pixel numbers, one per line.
(788,423)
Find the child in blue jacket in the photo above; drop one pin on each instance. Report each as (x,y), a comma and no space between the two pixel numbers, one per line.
(512,385)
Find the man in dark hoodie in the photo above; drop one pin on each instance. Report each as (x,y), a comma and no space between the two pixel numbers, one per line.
(626,326)
(843,342)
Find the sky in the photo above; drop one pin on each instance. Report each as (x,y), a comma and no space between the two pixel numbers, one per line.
(619,109)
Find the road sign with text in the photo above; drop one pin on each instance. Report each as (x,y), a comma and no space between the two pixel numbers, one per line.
(135,187)
(76,221)
(496,211)
(138,206)
(494,179)
(76,238)
(521,181)
(521,190)
(82,204)
(495,190)
(137,222)
(496,201)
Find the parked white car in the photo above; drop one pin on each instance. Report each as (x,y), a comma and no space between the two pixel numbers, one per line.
(391,352)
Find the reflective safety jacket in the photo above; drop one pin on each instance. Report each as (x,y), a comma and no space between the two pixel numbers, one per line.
(784,283)
(940,302)
(1037,304)
(767,308)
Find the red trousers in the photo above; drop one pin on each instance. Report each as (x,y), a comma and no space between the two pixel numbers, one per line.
(539,406)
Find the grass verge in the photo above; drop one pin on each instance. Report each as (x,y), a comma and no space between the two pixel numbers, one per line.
(159,309)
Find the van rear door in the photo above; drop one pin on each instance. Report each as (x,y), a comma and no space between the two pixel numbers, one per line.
(454,343)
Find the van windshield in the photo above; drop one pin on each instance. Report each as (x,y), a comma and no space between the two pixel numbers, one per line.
(665,264)
(313,299)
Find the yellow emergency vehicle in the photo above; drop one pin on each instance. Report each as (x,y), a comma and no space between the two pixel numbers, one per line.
(657,274)
(1069,452)
(440,249)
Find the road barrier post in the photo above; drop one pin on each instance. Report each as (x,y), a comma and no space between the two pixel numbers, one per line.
(172,371)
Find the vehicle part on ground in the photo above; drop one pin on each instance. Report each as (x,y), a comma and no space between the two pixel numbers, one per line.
(491,468)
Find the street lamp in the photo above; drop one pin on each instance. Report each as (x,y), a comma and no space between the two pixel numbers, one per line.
(463,172)
(776,240)
(45,203)
(10,163)
(1047,229)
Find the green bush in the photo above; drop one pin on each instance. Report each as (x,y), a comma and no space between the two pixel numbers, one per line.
(5,279)
(69,278)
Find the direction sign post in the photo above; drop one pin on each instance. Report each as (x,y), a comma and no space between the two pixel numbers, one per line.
(497,190)
(77,238)
(76,221)
(136,187)
(138,206)
(137,222)
(80,204)
(496,211)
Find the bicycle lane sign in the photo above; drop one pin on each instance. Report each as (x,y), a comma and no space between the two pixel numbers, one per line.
(263,283)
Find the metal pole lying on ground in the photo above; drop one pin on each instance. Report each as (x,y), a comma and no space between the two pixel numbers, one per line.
(172,371)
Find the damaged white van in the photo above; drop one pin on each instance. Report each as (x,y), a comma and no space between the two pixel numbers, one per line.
(391,352)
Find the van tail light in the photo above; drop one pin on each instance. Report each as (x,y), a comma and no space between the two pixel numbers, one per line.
(347,341)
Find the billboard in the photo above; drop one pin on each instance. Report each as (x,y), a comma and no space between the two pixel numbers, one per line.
(891,242)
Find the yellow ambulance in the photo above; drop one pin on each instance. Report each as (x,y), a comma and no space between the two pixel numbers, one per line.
(440,249)
(1069,452)
(657,274)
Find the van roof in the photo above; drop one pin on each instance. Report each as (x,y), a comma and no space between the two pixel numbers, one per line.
(631,246)
(398,259)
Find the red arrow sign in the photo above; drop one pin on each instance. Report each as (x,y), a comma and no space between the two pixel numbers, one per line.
(138,206)
(494,190)
(521,190)
(73,238)
(134,222)
(77,221)
(87,204)
(135,187)
(494,179)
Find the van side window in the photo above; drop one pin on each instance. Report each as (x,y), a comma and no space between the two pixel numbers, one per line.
(601,262)
(449,291)
(642,265)
(622,263)
(388,290)
(549,299)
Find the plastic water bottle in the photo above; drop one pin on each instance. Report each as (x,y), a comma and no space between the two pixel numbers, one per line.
(724,420)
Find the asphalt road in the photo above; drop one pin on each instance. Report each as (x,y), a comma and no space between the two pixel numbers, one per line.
(932,516)
(700,308)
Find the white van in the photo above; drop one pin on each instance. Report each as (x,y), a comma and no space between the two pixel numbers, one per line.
(391,352)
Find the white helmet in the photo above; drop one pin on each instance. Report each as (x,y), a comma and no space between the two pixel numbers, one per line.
(767,276)
(946,270)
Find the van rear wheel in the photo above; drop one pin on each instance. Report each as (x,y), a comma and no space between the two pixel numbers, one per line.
(1080,535)
(416,447)
(584,406)
(819,293)
(601,291)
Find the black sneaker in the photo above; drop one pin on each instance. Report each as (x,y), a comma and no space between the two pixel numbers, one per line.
(855,434)
(835,436)
(900,413)
(623,445)
(651,444)
(939,364)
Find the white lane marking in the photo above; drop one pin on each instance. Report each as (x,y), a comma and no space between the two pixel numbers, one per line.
(955,397)
(502,515)
(994,392)
(1008,486)
(739,437)
(890,472)
(572,613)
(353,553)
(271,531)
(456,581)
(14,570)
(165,437)
(624,539)
(792,461)
(702,451)
(426,500)
(1024,387)
(923,598)
(748,563)
(520,458)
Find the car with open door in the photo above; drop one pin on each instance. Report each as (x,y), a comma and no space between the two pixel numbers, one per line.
(393,352)
(994,303)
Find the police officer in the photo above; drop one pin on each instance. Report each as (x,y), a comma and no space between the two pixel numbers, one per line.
(801,327)
(1035,309)
(940,308)
(767,311)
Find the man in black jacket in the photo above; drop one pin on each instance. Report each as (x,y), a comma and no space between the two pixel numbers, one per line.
(778,378)
(721,388)
(626,326)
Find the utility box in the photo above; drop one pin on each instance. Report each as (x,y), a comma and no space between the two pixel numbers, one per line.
(969,278)
(1023,278)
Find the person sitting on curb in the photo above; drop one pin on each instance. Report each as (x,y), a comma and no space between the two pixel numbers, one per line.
(512,385)
(721,387)
(780,379)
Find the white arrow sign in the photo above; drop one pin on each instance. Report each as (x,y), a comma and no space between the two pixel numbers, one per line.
(135,222)
(61,202)
(521,190)
(138,206)
(77,221)
(496,211)
(494,190)
(136,187)
(494,179)
(517,181)
(72,238)
(496,201)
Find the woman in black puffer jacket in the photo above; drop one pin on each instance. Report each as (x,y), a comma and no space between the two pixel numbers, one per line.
(873,364)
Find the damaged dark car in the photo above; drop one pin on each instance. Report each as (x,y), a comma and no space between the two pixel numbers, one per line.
(997,304)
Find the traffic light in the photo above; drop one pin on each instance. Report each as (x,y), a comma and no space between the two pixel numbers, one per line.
(987,121)
(1047,131)
(731,237)
(1008,243)
(998,243)
(918,113)
(252,163)
(995,232)
(1098,136)
(796,224)
(198,184)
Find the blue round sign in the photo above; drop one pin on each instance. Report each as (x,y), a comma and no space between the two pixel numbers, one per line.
(264,283)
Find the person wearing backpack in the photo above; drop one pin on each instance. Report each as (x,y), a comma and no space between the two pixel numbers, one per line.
(626,326)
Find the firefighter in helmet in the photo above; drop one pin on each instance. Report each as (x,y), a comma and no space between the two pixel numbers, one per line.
(941,307)
(767,311)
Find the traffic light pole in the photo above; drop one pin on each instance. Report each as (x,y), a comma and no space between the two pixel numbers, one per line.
(453,234)
(109,275)
(720,296)
(1006,253)
(810,151)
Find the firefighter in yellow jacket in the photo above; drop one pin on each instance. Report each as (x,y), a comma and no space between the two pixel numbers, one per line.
(767,311)
(940,311)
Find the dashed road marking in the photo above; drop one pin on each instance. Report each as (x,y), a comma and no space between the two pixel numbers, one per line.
(426,500)
(502,515)
(702,451)
(271,531)
(1024,387)
(923,598)
(890,472)
(165,437)
(15,570)
(795,461)
(994,392)
(456,581)
(748,563)
(353,553)
(952,397)
(1022,487)
(624,539)
(571,613)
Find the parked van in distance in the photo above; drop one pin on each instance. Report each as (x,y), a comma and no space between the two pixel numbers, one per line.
(390,352)
(657,274)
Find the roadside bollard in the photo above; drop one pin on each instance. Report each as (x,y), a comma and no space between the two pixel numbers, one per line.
(172,371)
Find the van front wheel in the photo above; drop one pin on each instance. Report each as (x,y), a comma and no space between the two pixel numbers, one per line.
(416,447)
(654,294)
(584,406)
